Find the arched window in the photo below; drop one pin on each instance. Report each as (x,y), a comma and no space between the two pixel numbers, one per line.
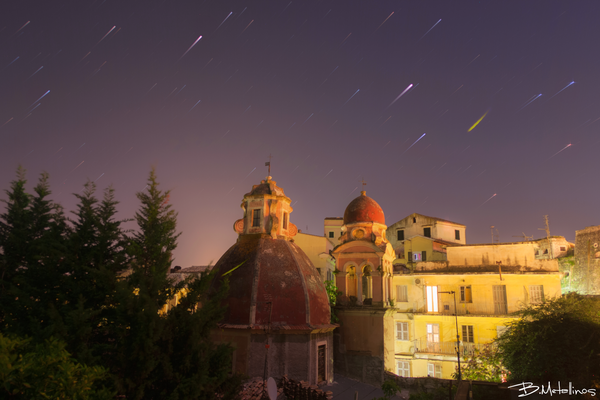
(367,283)
(351,282)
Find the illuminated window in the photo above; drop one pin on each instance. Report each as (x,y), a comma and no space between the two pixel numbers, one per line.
(403,368)
(465,294)
(402,293)
(285,220)
(256,217)
(536,294)
(432,299)
(400,234)
(401,330)
(467,334)
(433,337)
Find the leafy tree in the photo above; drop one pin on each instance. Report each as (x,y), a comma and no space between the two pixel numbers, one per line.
(46,371)
(484,364)
(332,294)
(558,340)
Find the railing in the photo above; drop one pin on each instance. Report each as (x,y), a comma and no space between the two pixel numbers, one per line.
(475,308)
(466,349)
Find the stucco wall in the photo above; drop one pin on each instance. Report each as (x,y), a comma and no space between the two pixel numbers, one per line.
(314,247)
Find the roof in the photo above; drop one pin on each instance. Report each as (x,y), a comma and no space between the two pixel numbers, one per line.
(435,218)
(271,280)
(363,209)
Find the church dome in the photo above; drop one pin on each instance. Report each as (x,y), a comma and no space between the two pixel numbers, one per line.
(271,280)
(363,209)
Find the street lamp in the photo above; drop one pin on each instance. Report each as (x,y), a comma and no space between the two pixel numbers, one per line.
(457,335)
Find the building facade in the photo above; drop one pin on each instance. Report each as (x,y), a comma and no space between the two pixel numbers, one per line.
(406,319)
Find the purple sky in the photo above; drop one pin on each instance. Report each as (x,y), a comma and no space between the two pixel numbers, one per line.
(102,90)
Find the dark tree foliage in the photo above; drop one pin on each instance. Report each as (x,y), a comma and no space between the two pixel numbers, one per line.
(166,352)
(558,340)
(33,235)
(108,297)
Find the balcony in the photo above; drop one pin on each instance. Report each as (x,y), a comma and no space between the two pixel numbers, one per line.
(474,308)
(446,348)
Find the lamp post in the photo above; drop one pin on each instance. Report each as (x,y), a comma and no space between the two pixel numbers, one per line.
(453,293)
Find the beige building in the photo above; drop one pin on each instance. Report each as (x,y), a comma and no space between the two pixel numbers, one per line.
(317,249)
(430,227)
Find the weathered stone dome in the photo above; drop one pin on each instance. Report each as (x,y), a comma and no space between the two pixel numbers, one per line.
(363,209)
(274,281)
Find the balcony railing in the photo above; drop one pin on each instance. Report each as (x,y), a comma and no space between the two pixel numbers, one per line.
(449,348)
(476,308)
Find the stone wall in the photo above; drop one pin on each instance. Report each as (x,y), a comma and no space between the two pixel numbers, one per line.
(362,366)
(586,271)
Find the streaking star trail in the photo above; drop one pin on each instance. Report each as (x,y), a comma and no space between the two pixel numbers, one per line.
(562,89)
(494,195)
(561,150)
(531,101)
(193,44)
(414,143)
(400,95)
(351,97)
(478,121)
(431,28)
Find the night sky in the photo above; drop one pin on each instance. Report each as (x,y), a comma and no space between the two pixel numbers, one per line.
(336,91)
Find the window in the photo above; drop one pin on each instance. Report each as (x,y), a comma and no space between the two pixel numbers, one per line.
(403,368)
(285,220)
(433,337)
(400,234)
(499,293)
(401,330)
(427,232)
(434,370)
(546,251)
(467,334)
(536,294)
(562,248)
(417,257)
(331,235)
(423,255)
(456,234)
(465,294)
(432,299)
(410,256)
(402,293)
(256,217)
(414,220)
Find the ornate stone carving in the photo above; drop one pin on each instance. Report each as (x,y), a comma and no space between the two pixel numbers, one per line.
(292,230)
(238,226)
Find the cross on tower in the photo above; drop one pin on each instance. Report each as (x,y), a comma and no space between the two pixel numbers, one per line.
(364,183)
(268,164)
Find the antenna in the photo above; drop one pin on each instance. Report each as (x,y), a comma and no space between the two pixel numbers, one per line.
(524,236)
(268,164)
(547,229)
(496,236)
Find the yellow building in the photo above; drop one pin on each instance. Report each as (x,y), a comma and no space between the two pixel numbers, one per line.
(405,320)
(317,249)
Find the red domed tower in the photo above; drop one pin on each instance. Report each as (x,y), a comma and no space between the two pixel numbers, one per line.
(276,297)
(364,257)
